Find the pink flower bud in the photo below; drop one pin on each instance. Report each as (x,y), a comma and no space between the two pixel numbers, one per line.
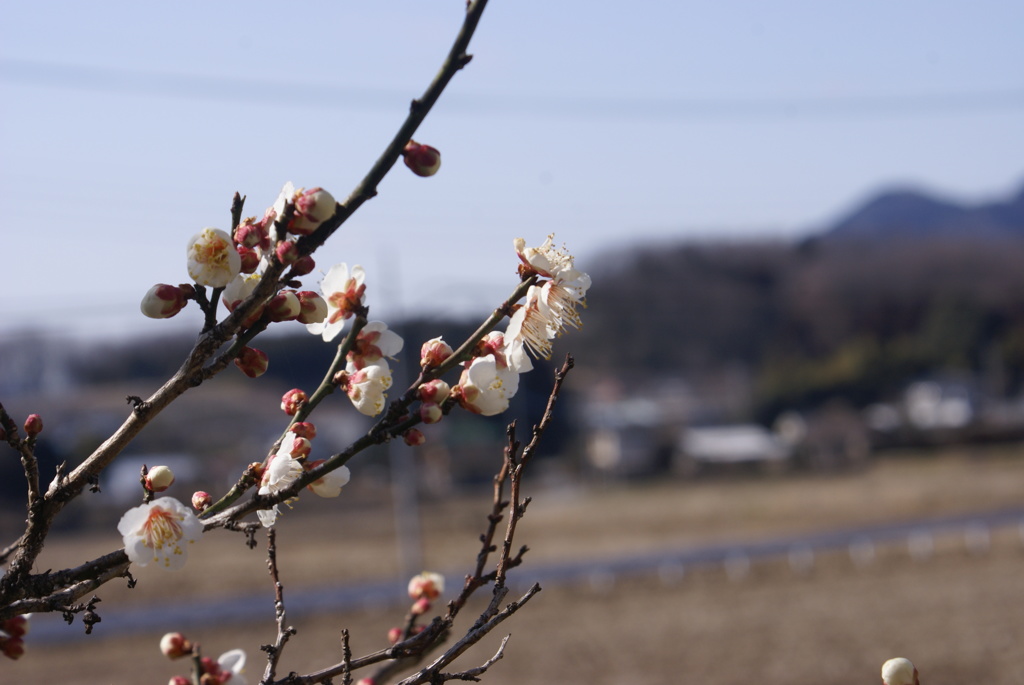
(286,252)
(301,448)
(33,425)
(312,207)
(12,647)
(430,412)
(395,635)
(434,353)
(159,478)
(163,301)
(249,233)
(313,308)
(250,260)
(284,306)
(426,585)
(304,429)
(436,391)
(420,607)
(414,437)
(175,646)
(292,401)
(252,362)
(303,265)
(201,500)
(179,680)
(422,159)
(16,626)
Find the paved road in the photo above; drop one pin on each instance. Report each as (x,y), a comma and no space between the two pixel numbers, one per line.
(669,563)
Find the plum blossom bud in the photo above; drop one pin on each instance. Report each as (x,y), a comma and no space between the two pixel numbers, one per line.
(250,260)
(436,391)
(430,412)
(249,233)
(163,301)
(422,159)
(427,584)
(303,265)
(414,437)
(366,681)
(286,251)
(159,478)
(312,207)
(434,353)
(252,362)
(295,447)
(201,500)
(12,647)
(292,401)
(420,607)
(212,258)
(313,308)
(175,646)
(395,635)
(304,429)
(179,680)
(284,306)
(33,425)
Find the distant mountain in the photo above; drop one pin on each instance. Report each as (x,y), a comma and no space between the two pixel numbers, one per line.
(906,213)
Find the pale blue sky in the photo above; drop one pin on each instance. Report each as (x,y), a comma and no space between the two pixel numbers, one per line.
(126,126)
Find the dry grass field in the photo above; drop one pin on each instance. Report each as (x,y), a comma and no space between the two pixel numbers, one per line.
(959,615)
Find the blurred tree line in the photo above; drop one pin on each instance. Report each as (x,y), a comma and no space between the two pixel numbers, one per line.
(823,318)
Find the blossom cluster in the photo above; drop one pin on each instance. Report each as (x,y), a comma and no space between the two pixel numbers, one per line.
(289,462)
(234,265)
(491,378)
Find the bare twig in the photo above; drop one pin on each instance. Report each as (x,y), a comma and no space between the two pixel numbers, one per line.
(284,631)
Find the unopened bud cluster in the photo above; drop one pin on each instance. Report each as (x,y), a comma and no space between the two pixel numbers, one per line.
(12,636)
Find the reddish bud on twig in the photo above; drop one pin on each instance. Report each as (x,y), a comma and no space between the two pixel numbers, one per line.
(292,401)
(201,500)
(252,362)
(33,425)
(159,478)
(422,159)
(175,646)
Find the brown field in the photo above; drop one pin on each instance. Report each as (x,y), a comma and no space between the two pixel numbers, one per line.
(959,615)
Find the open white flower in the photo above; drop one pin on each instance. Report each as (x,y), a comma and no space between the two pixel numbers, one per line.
(281,472)
(545,260)
(375,342)
(487,386)
(330,484)
(367,387)
(232,662)
(343,292)
(212,258)
(160,531)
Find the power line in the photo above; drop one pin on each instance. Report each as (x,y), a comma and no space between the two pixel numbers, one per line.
(305,95)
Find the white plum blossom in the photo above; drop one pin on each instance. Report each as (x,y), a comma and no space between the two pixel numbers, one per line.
(160,531)
(344,292)
(487,385)
(232,662)
(375,342)
(367,387)
(545,260)
(330,484)
(549,306)
(426,585)
(240,288)
(280,472)
(212,258)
